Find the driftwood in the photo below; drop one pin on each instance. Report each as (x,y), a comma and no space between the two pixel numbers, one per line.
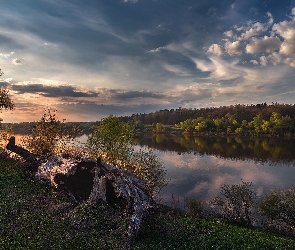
(91,181)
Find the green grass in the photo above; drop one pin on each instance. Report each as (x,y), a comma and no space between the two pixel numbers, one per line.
(34,216)
(171,231)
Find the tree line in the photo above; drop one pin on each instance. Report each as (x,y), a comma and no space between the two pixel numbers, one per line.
(276,125)
(241,111)
(275,119)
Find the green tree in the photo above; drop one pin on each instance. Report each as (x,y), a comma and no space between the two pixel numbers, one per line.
(205,125)
(158,127)
(257,123)
(189,125)
(112,140)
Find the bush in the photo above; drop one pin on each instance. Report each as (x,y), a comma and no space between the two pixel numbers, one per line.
(236,202)
(279,206)
(195,206)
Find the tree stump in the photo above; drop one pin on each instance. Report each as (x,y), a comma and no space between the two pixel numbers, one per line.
(91,181)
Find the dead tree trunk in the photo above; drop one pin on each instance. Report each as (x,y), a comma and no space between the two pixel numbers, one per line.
(91,181)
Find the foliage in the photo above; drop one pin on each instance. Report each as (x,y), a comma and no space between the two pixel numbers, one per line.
(5,103)
(49,135)
(195,206)
(5,134)
(147,166)
(5,100)
(236,202)
(279,206)
(259,119)
(112,141)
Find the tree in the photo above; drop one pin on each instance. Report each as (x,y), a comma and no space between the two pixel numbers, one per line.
(5,100)
(5,103)
(112,140)
(50,135)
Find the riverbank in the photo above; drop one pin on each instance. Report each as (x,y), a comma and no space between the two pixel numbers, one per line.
(34,216)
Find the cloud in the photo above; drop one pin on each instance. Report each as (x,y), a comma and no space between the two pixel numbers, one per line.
(131,1)
(286,29)
(51,91)
(254,62)
(255,29)
(216,49)
(263,60)
(234,48)
(157,49)
(6,55)
(136,94)
(192,93)
(266,44)
(18,61)
(278,46)
(229,33)
(3,84)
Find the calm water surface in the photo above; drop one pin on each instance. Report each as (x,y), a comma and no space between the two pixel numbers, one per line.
(198,166)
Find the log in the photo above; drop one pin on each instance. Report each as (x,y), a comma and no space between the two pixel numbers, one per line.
(91,181)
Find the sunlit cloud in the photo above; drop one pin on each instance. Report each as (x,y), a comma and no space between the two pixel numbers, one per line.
(145,54)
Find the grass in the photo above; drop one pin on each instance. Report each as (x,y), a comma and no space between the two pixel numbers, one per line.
(34,216)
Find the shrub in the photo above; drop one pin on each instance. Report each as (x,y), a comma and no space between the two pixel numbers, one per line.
(279,206)
(195,206)
(235,202)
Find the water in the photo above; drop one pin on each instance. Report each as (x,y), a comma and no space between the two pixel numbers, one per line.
(198,166)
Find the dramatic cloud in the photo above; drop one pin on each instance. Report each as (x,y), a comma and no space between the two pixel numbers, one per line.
(51,91)
(267,44)
(125,56)
(279,46)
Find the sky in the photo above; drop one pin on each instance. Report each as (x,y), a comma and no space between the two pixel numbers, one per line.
(89,59)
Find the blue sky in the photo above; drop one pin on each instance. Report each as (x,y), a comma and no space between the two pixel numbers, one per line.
(89,59)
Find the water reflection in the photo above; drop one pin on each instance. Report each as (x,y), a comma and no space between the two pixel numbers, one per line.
(258,149)
(198,166)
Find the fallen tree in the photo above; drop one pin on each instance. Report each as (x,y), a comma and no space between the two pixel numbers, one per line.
(91,182)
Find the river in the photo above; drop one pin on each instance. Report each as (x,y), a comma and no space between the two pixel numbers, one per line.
(198,166)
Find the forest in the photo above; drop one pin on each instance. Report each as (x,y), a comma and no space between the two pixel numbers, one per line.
(260,119)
